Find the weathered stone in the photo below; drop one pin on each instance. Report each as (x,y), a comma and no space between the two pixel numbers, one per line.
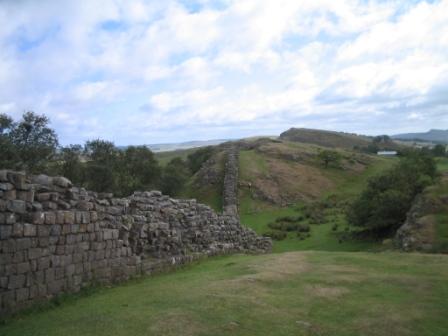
(38,218)
(5,231)
(18,179)
(16,206)
(62,182)
(50,218)
(29,230)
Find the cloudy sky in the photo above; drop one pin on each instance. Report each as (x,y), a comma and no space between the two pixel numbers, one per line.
(154,71)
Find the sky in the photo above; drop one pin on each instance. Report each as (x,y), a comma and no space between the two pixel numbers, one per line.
(141,72)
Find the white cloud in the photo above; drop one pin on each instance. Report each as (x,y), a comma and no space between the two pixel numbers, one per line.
(279,62)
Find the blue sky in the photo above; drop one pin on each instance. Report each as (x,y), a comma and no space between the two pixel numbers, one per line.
(138,72)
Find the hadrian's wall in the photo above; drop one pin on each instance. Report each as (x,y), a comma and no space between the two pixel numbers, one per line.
(56,238)
(230,187)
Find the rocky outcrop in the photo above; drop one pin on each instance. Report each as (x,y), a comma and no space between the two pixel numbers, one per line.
(56,238)
(420,230)
(416,234)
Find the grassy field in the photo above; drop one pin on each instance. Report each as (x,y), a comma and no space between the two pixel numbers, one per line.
(165,157)
(296,293)
(257,214)
(442,164)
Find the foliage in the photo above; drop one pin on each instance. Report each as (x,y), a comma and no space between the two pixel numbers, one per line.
(71,166)
(196,159)
(29,144)
(330,158)
(174,177)
(382,206)
(439,150)
(275,234)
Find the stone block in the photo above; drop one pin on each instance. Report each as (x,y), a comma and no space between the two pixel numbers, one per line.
(43,230)
(62,182)
(22,294)
(26,196)
(55,287)
(44,241)
(55,230)
(43,263)
(23,244)
(5,231)
(16,281)
(18,179)
(10,194)
(6,186)
(34,253)
(16,206)
(23,268)
(29,230)
(38,218)
(69,217)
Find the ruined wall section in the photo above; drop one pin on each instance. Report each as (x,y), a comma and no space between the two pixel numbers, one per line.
(56,238)
(230,187)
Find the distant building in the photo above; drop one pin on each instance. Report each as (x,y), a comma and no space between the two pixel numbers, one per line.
(387,153)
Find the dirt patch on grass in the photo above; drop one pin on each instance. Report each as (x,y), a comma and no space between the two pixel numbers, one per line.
(326,292)
(176,324)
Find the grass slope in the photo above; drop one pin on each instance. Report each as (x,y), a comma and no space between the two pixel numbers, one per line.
(261,168)
(298,293)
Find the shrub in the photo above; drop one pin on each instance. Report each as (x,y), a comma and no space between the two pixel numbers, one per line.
(303,228)
(275,234)
(382,206)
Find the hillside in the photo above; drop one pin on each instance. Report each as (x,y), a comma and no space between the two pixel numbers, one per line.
(434,135)
(325,138)
(299,293)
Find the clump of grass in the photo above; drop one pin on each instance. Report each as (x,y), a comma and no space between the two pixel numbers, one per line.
(275,234)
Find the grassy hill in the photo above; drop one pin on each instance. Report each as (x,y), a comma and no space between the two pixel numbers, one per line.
(325,138)
(286,179)
(298,293)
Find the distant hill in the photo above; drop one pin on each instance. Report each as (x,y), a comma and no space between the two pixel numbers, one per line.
(325,138)
(434,135)
(169,147)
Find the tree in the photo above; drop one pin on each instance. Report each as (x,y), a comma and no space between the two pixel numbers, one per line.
(196,159)
(439,150)
(34,142)
(101,169)
(382,206)
(8,156)
(138,169)
(174,177)
(330,157)
(71,165)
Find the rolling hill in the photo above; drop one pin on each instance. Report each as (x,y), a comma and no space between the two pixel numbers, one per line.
(434,135)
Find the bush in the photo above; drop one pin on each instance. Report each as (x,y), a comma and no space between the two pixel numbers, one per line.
(275,234)
(382,206)
(303,228)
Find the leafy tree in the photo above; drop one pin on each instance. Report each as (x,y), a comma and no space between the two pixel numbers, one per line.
(174,177)
(8,156)
(33,141)
(330,158)
(382,206)
(138,169)
(71,165)
(439,150)
(196,159)
(101,169)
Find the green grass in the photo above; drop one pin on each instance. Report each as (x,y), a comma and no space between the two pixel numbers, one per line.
(250,160)
(165,157)
(257,215)
(299,293)
(210,196)
(442,164)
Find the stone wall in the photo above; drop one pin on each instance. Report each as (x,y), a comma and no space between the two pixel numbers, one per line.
(230,186)
(56,238)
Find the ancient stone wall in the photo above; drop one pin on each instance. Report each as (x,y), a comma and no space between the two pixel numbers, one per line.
(230,187)
(56,238)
